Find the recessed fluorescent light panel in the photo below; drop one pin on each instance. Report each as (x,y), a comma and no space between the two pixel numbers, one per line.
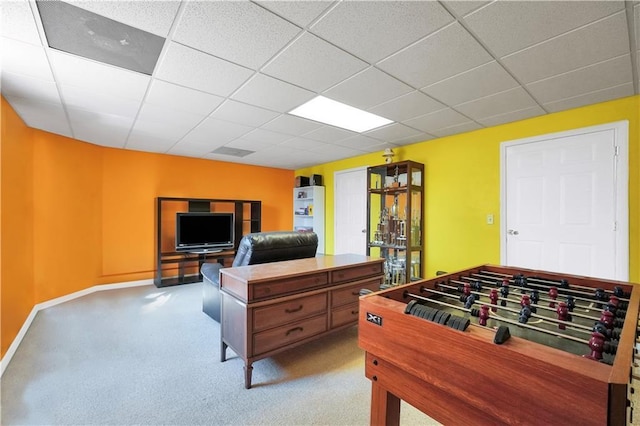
(337,114)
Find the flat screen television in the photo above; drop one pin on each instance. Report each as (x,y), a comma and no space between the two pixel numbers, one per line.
(204,231)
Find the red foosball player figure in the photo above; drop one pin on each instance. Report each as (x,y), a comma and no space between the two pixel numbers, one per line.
(563,314)
(596,344)
(553,295)
(493,296)
(484,315)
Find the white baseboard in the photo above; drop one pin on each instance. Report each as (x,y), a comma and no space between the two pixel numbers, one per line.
(40,306)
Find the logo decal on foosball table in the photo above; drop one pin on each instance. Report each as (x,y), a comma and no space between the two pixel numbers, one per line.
(376,319)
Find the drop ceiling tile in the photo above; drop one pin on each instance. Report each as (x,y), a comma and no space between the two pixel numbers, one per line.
(392,132)
(176,122)
(193,149)
(302,143)
(454,130)
(215,132)
(153,16)
(332,153)
(511,116)
(248,145)
(329,134)
(17,22)
(291,125)
(25,59)
(79,98)
(270,93)
(636,19)
(169,132)
(397,24)
(379,148)
(45,116)
(266,136)
(443,54)
(420,137)
(356,91)
(101,129)
(613,72)
(189,67)
(437,120)
(598,96)
(529,22)
(299,64)
(407,106)
(462,8)
(74,71)
(482,81)
(499,103)
(593,43)
(21,86)
(182,98)
(301,13)
(149,143)
(238,112)
(240,32)
(359,142)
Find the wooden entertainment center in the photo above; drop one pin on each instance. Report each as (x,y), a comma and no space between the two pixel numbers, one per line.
(272,307)
(247,214)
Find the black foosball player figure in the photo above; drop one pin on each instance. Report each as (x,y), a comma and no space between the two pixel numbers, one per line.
(600,296)
(535,296)
(525,314)
(504,292)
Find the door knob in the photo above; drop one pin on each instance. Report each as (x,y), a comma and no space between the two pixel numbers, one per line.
(364,231)
(512,232)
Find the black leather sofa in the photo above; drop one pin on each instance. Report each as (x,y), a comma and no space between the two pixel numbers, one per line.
(259,247)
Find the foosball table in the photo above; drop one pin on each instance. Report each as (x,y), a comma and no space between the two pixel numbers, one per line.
(500,345)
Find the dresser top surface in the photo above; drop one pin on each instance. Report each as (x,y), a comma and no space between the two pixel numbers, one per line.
(320,263)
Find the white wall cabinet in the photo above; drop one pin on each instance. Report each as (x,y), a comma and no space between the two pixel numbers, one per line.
(308,211)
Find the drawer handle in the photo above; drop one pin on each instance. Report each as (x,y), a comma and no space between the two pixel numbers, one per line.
(354,312)
(290,311)
(294,329)
(355,293)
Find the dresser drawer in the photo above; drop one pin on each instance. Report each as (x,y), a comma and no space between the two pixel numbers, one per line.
(351,294)
(275,288)
(344,315)
(356,272)
(280,337)
(286,312)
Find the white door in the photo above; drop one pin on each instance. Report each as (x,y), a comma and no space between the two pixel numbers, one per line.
(350,211)
(565,205)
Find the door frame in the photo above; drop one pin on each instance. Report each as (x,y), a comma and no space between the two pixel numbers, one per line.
(621,188)
(335,198)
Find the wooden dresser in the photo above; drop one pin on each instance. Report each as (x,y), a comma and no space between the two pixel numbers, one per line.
(271,307)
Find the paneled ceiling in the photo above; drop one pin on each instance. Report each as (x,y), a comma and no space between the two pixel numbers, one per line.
(228,72)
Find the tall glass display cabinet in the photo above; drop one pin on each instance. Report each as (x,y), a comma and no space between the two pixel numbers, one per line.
(395,220)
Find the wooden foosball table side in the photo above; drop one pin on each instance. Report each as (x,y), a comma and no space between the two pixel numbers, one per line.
(464,377)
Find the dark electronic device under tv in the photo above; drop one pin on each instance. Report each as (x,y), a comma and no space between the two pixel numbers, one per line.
(204,231)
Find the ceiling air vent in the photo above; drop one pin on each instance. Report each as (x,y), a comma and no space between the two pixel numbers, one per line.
(75,30)
(234,152)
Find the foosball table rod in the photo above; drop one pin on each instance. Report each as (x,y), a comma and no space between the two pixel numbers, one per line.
(517,287)
(558,321)
(596,343)
(550,283)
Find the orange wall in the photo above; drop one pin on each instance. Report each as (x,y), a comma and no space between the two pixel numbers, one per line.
(17,292)
(82,215)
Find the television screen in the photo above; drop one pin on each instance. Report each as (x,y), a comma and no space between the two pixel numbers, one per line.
(204,231)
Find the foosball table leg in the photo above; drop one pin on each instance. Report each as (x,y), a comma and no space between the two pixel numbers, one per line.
(385,407)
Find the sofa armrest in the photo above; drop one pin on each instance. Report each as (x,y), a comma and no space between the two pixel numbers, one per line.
(211,272)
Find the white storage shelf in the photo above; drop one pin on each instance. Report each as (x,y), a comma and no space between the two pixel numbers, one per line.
(308,211)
